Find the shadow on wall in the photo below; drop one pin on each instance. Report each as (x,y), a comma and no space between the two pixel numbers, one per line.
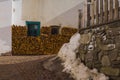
(68,18)
(5,35)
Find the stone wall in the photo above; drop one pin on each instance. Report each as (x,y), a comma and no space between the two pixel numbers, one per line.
(100,48)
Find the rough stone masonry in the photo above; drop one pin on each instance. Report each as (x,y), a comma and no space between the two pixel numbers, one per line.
(100,48)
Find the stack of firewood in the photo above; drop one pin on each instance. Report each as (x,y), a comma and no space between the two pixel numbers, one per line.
(45,30)
(26,45)
(19,31)
(68,31)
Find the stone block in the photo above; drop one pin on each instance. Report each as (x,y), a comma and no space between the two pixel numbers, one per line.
(110,71)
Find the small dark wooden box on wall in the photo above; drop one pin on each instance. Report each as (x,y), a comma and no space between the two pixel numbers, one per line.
(55,29)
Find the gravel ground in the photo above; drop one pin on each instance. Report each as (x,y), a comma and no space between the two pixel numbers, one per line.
(29,68)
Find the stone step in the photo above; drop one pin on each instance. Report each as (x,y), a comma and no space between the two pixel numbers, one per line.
(110,71)
(114,78)
(116,64)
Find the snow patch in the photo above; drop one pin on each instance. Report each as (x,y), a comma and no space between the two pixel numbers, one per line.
(74,66)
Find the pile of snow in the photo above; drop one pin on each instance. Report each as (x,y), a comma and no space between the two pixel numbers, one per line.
(74,66)
(3,47)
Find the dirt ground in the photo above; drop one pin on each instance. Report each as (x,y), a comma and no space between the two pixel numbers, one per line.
(28,68)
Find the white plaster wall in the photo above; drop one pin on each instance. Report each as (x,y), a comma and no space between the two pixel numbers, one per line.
(5,13)
(54,8)
(5,25)
(68,18)
(17,13)
(47,10)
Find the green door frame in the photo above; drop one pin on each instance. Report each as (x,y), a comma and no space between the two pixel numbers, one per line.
(32,23)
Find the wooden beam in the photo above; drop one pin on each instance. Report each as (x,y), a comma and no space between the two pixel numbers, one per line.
(80,19)
(101,11)
(106,11)
(88,13)
(99,25)
(92,12)
(116,12)
(97,11)
(111,10)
